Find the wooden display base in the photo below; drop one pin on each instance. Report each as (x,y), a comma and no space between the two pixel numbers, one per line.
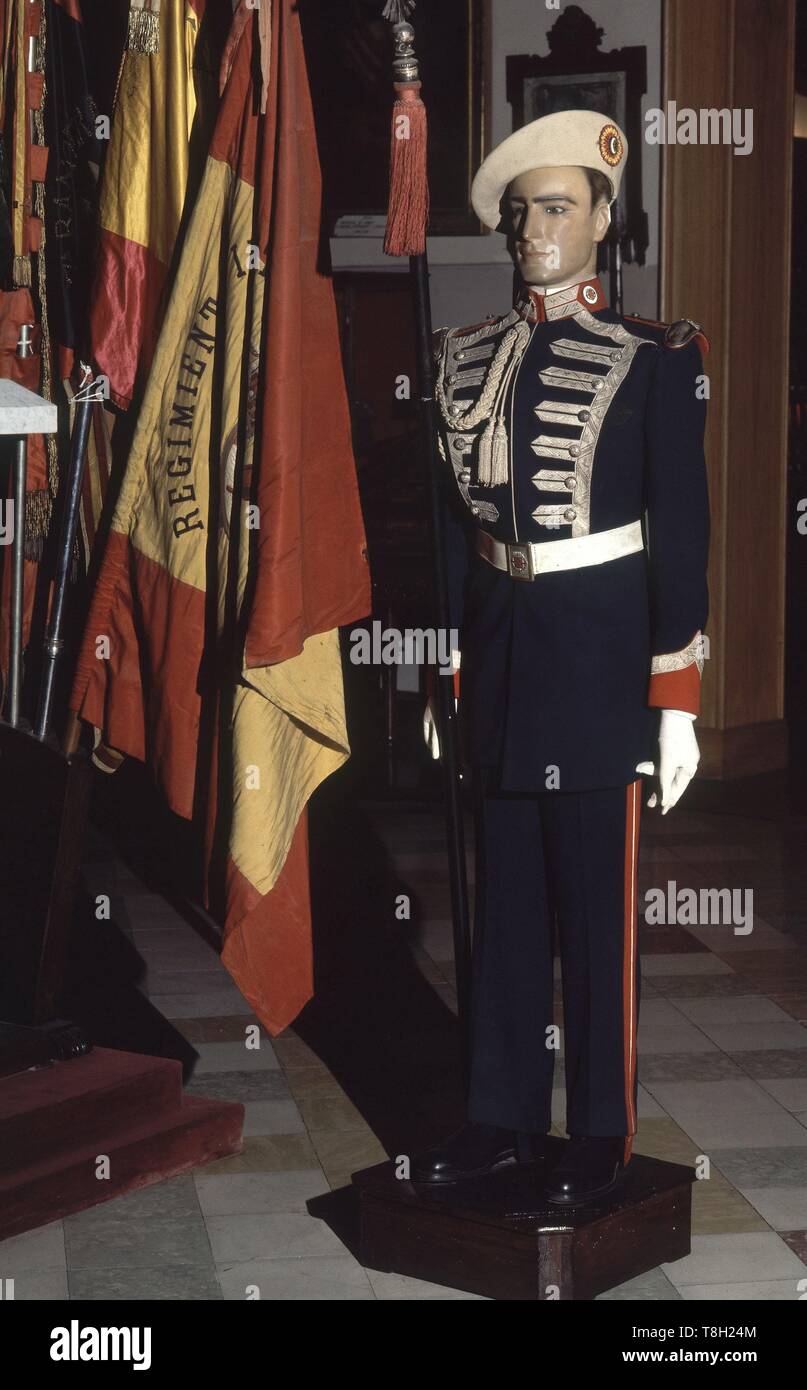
(58,1123)
(496,1236)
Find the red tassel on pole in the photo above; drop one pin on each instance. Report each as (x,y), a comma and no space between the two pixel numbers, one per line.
(408,208)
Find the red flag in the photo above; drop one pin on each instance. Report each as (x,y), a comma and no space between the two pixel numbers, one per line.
(247,378)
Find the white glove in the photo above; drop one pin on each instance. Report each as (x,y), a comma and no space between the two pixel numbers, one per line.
(679,756)
(431,733)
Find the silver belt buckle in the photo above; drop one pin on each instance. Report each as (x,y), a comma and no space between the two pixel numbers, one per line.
(519,562)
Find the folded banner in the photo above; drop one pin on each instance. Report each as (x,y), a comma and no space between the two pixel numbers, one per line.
(237,545)
(164,111)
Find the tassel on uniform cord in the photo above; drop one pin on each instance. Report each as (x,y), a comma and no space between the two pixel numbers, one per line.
(499,466)
(491,462)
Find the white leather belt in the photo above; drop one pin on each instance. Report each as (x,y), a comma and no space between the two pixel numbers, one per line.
(525,561)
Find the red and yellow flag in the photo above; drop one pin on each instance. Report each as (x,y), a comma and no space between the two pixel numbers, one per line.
(163,100)
(237,545)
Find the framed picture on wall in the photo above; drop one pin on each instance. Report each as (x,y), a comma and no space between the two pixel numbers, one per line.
(578,76)
(349,54)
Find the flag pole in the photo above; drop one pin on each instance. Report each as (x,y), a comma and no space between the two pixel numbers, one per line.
(54,642)
(407,220)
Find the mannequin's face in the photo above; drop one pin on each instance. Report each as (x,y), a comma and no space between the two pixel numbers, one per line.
(555,230)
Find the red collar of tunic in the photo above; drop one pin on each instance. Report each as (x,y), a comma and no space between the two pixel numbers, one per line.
(539,308)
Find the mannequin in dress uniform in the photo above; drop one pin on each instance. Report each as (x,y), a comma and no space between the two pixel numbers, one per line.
(577,535)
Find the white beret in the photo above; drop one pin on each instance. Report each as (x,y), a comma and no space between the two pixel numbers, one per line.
(583,138)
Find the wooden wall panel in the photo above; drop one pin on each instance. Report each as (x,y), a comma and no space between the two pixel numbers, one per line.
(725,262)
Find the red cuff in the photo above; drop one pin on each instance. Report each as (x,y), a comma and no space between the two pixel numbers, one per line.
(676,690)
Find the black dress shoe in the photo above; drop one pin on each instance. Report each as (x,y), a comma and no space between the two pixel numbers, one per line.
(591,1167)
(470,1153)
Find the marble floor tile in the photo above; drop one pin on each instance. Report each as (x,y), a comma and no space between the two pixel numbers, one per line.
(657,854)
(175,1198)
(717,1207)
(791,1093)
(755,1037)
(764,1166)
(293,1053)
(755,1291)
(332,1279)
(177,950)
(172,934)
(686,1066)
(343,1152)
(36,1263)
(235,1238)
(431,970)
(313,1083)
(677,987)
(797,1241)
(40,1285)
(784,1208)
(739,1009)
(727,942)
(42,1248)
(270,1086)
(728,1114)
(273,1153)
(681,1037)
(437,939)
(648,1106)
(270,1117)
(654,1286)
(264,1118)
(331,1114)
(163,1282)
(218,1028)
(145,909)
(725,853)
(698,963)
(735,1258)
(773,1064)
(391,1287)
(774,971)
(259,1193)
(236,1057)
(659,1011)
(179,982)
(116,1242)
(208,1004)
(793,1004)
(663,1138)
(666,941)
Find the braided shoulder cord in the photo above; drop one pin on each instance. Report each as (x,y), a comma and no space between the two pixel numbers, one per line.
(482,409)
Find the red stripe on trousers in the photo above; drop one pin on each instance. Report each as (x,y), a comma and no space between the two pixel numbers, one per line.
(633,806)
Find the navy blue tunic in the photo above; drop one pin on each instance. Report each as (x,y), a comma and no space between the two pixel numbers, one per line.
(605,424)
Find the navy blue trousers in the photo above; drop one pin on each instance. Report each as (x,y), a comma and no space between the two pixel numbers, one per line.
(565,861)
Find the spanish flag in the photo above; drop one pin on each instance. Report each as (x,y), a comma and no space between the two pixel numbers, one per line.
(164,110)
(237,547)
